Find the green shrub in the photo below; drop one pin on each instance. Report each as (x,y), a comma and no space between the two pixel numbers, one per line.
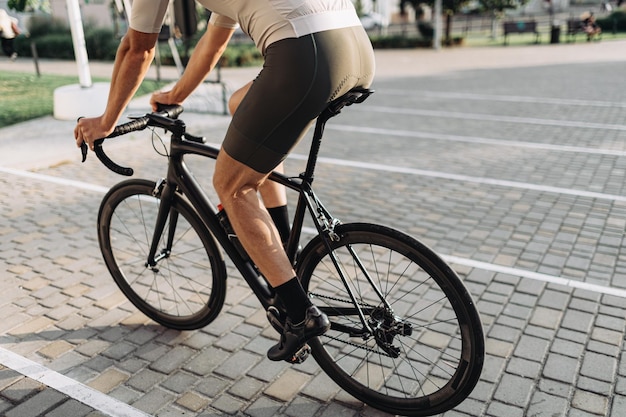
(101,44)
(54,45)
(43,25)
(244,55)
(398,41)
(616,21)
(426,29)
(235,55)
(53,39)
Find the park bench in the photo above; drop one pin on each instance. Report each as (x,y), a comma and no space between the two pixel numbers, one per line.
(576,26)
(520,27)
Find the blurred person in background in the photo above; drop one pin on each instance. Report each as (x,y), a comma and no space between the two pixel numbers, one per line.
(8,31)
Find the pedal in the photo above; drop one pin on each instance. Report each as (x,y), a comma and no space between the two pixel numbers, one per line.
(301,355)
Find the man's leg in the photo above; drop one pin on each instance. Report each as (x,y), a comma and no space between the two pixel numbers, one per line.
(236,185)
(6,47)
(274,195)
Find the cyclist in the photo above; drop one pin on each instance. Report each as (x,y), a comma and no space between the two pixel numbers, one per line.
(314,51)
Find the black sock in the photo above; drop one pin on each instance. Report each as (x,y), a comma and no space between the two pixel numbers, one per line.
(294,298)
(280,216)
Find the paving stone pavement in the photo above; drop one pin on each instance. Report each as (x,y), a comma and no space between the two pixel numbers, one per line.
(509,162)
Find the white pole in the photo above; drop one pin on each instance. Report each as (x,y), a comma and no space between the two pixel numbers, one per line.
(438,29)
(385,11)
(78,39)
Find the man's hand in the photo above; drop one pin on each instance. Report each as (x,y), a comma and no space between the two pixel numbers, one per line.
(89,129)
(162,97)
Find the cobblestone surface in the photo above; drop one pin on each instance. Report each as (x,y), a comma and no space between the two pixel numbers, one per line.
(456,166)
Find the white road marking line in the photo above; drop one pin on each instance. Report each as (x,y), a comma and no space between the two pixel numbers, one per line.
(475,139)
(466,178)
(74,389)
(366,165)
(55,180)
(567,282)
(492,118)
(507,98)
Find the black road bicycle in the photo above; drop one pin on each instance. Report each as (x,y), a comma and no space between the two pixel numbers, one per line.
(405,338)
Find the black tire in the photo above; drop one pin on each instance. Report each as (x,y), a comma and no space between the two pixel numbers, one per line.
(187,287)
(433,322)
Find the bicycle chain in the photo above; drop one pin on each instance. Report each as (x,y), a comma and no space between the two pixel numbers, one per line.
(327,297)
(366,348)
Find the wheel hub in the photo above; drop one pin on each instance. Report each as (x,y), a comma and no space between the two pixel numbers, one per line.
(386,326)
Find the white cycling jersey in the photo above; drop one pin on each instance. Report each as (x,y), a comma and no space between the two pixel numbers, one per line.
(265,21)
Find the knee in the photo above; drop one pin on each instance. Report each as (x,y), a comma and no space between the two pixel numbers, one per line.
(232,181)
(222,184)
(230,190)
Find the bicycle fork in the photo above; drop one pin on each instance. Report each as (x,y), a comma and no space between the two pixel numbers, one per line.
(165,194)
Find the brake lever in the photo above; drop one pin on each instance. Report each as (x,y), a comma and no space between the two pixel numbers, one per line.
(83,146)
(84,149)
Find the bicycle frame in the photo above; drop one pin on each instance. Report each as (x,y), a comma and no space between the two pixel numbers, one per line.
(344,267)
(179,177)
(191,189)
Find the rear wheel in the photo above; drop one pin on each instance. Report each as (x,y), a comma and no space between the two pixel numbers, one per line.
(423,350)
(186,287)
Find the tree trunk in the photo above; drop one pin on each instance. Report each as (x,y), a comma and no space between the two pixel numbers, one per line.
(448,39)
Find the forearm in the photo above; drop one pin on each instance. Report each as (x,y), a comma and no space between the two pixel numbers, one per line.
(132,62)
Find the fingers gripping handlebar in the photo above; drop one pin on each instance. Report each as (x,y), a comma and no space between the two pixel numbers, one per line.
(138,124)
(163,117)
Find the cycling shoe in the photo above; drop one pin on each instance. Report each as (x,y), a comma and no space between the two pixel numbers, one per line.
(294,336)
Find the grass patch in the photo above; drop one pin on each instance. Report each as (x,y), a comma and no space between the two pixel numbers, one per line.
(25,96)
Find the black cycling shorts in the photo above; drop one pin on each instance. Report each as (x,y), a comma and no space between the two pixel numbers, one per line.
(299,78)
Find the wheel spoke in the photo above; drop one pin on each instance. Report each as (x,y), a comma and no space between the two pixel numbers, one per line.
(418,345)
(185,288)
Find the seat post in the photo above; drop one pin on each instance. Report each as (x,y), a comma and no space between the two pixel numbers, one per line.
(316,143)
(356,95)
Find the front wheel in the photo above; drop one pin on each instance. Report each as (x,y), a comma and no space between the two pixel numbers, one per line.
(184,288)
(417,348)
